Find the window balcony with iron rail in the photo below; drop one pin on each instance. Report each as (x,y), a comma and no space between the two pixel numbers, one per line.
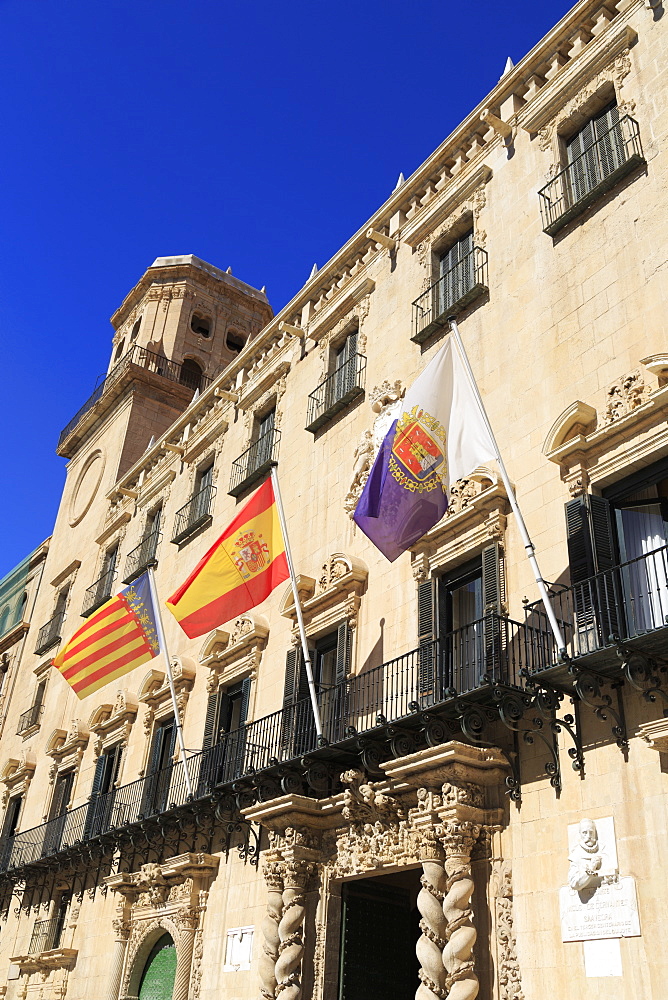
(194,515)
(29,719)
(453,291)
(50,634)
(46,935)
(255,462)
(468,663)
(613,155)
(137,358)
(141,557)
(98,593)
(337,391)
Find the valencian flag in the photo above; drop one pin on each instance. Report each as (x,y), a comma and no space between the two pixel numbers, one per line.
(238,571)
(438,438)
(120,636)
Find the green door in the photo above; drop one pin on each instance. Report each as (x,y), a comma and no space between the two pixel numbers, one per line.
(378,936)
(157,982)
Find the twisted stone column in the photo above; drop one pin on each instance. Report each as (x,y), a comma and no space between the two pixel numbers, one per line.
(290,930)
(433,925)
(122,933)
(461,982)
(274,878)
(185,958)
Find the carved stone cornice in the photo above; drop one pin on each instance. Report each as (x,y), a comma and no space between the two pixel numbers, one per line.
(423,223)
(236,653)
(17,774)
(335,596)
(46,961)
(341,303)
(111,723)
(66,748)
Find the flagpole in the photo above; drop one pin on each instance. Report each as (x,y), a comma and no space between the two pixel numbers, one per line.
(170,678)
(298,607)
(524,534)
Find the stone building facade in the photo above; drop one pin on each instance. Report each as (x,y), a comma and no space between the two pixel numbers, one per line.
(486,815)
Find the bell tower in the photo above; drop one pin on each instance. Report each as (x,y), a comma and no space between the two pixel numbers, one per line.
(179,327)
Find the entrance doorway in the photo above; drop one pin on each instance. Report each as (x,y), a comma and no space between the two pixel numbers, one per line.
(157,981)
(379,931)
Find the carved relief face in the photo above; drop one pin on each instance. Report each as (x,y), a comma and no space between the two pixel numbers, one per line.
(588,834)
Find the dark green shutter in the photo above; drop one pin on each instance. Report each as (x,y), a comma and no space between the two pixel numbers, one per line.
(492,588)
(293,672)
(210,728)
(342,653)
(92,819)
(493,662)
(335,705)
(426,601)
(241,765)
(596,587)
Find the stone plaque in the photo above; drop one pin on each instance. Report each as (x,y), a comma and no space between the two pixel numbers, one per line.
(608,911)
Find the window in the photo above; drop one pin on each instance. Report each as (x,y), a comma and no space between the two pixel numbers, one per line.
(234,341)
(56,825)
(159,770)
(201,324)
(196,514)
(191,374)
(9,828)
(256,461)
(239,949)
(59,921)
(462,277)
(456,272)
(31,718)
(135,329)
(119,350)
(102,813)
(226,754)
(604,150)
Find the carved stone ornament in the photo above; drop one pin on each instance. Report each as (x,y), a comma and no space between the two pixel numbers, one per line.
(334,597)
(385,403)
(509,977)
(466,213)
(237,653)
(112,723)
(155,691)
(17,774)
(625,395)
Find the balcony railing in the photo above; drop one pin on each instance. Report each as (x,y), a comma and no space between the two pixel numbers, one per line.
(194,515)
(493,650)
(98,593)
(254,463)
(142,358)
(45,936)
(627,601)
(453,291)
(614,154)
(29,719)
(49,634)
(336,392)
(141,557)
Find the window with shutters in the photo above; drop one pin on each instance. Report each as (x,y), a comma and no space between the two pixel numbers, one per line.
(460,276)
(9,828)
(227,753)
(57,816)
(597,156)
(196,515)
(343,383)
(259,457)
(618,559)
(103,813)
(158,779)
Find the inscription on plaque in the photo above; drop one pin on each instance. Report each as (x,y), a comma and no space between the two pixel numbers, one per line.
(609,911)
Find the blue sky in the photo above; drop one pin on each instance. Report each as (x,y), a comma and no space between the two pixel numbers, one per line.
(257,135)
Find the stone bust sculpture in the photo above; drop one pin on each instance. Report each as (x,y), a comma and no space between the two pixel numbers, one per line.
(588,859)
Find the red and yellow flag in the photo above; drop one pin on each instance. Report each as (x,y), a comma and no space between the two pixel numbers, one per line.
(120,636)
(238,572)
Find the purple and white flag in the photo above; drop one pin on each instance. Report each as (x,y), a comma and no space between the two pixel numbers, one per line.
(438,438)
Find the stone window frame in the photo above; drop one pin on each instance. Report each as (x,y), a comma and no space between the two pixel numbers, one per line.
(42,674)
(111,725)
(334,598)
(476,517)
(235,655)
(156,694)
(16,775)
(66,749)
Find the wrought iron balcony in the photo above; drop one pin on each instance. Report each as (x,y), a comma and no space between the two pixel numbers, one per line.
(98,593)
(141,557)
(628,603)
(49,634)
(453,291)
(374,712)
(614,154)
(29,719)
(339,389)
(46,935)
(254,463)
(194,514)
(157,364)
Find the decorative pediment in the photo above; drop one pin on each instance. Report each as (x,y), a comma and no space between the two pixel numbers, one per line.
(235,653)
(476,517)
(111,721)
(629,427)
(62,744)
(334,595)
(155,691)
(17,774)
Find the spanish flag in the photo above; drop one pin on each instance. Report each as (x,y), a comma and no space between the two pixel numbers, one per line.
(120,636)
(238,572)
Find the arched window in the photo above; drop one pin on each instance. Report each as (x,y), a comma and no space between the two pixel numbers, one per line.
(201,324)
(119,350)
(191,374)
(4,618)
(135,329)
(234,341)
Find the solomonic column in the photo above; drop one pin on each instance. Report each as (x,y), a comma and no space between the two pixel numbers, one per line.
(458,838)
(291,929)
(433,925)
(273,875)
